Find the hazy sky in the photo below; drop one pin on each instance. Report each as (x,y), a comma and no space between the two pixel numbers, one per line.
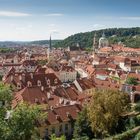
(37,19)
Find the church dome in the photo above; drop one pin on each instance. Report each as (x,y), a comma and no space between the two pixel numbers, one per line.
(103,42)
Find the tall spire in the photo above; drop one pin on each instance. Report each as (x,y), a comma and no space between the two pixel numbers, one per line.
(94,43)
(50,45)
(103,35)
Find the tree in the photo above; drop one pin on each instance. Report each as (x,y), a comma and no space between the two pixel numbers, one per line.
(18,124)
(22,122)
(5,100)
(104,111)
(82,126)
(132,81)
(5,93)
(129,37)
(53,137)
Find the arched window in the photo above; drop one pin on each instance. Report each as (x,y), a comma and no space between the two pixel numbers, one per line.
(39,83)
(55,81)
(18,86)
(29,84)
(48,82)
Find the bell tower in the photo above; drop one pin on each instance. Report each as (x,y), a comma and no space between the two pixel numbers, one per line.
(94,43)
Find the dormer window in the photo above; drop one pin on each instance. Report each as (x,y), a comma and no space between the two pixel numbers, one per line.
(12,78)
(31,74)
(18,86)
(39,83)
(20,77)
(56,81)
(29,84)
(48,82)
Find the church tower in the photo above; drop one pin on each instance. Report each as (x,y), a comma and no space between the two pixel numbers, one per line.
(48,53)
(103,42)
(94,43)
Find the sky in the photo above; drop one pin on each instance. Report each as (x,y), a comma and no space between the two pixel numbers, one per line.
(25,20)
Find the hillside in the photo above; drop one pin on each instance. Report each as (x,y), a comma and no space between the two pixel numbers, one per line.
(43,42)
(22,43)
(129,36)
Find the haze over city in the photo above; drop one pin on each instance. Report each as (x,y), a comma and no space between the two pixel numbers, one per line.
(25,20)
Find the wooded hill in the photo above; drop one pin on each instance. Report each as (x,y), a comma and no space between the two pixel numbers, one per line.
(128,36)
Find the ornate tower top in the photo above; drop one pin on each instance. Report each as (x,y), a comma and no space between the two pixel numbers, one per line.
(103,42)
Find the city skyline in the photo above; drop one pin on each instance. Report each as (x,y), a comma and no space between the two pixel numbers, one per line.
(36,19)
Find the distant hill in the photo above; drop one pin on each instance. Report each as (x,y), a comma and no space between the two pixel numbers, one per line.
(43,42)
(128,36)
(22,43)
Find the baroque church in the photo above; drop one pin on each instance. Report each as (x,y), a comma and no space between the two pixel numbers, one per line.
(103,42)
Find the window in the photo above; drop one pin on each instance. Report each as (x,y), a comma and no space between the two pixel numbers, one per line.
(39,83)
(48,82)
(60,128)
(53,130)
(55,81)
(66,127)
(18,86)
(29,84)
(46,132)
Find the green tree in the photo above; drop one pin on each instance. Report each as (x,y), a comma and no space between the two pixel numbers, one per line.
(5,101)
(53,137)
(22,122)
(104,111)
(132,81)
(5,98)
(82,126)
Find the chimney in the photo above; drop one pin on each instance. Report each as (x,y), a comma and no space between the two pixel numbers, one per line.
(136,71)
(36,100)
(42,88)
(20,77)
(68,114)
(49,95)
(12,78)
(61,100)
(43,99)
(31,74)
(57,117)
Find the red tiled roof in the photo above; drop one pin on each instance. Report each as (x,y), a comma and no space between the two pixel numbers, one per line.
(34,95)
(62,114)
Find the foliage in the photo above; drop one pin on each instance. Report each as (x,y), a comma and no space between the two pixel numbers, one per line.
(137,107)
(5,99)
(82,138)
(127,135)
(6,50)
(128,36)
(104,111)
(82,127)
(137,137)
(21,123)
(53,137)
(5,93)
(132,81)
